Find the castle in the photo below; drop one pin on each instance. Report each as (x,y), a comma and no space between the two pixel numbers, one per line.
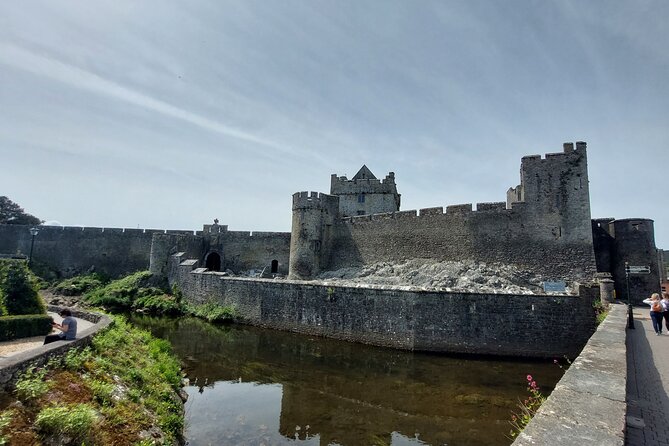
(544,226)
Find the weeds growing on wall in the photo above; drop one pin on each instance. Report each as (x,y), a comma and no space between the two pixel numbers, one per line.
(601,311)
(526,408)
(120,390)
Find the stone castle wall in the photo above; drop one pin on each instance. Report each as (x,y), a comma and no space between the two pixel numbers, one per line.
(75,250)
(548,231)
(489,234)
(630,240)
(116,252)
(494,324)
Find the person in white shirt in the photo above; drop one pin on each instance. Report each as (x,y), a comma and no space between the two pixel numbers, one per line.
(656,312)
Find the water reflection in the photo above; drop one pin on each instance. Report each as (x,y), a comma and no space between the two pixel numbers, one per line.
(255,386)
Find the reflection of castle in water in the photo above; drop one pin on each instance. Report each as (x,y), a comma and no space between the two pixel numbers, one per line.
(352,393)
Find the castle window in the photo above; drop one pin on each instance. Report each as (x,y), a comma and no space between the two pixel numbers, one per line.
(361,198)
(361,212)
(275,266)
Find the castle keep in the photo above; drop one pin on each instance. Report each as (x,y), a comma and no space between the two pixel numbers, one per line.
(544,225)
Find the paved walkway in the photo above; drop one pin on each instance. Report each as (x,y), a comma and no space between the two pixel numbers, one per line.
(647,383)
(10,348)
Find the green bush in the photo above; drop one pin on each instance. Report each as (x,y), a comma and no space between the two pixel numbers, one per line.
(121,293)
(74,420)
(32,385)
(24,326)
(18,289)
(212,312)
(158,304)
(78,285)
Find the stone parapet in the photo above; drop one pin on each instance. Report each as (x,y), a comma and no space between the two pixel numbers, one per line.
(588,405)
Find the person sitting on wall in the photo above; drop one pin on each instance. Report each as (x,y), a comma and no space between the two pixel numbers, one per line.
(68,327)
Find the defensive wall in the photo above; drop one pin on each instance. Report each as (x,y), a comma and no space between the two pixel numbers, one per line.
(69,251)
(544,226)
(401,317)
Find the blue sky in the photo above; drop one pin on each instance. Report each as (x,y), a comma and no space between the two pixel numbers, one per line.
(164,114)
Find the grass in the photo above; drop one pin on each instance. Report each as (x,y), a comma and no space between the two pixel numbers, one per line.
(123,384)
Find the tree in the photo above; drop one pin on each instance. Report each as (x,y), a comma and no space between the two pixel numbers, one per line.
(13,214)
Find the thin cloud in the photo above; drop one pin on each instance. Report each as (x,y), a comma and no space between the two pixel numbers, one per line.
(20,58)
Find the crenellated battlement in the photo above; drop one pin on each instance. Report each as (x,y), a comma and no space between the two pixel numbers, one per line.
(341,185)
(428,213)
(44,230)
(314,200)
(569,149)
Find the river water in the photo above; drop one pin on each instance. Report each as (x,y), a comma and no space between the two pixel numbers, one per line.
(251,386)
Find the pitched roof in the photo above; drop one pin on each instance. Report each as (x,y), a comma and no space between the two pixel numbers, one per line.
(364,174)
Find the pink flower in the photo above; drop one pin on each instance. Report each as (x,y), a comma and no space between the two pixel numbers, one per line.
(529,377)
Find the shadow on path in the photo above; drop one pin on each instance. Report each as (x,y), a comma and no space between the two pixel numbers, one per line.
(647,383)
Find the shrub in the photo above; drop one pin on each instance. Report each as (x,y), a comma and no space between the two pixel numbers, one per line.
(78,285)
(24,326)
(18,289)
(212,312)
(121,293)
(154,301)
(32,385)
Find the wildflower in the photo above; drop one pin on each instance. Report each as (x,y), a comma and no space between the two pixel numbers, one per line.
(529,377)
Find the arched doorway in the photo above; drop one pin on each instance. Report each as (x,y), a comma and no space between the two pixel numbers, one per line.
(213,262)
(275,266)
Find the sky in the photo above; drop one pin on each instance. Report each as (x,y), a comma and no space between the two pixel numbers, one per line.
(167,114)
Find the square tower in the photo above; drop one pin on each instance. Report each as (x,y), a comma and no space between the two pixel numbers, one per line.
(365,194)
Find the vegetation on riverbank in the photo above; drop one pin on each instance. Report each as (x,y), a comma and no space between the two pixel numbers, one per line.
(121,390)
(141,293)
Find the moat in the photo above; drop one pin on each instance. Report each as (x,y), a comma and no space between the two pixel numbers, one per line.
(250,386)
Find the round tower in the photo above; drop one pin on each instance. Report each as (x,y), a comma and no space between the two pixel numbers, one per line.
(311,213)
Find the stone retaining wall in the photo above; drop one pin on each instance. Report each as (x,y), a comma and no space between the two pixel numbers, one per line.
(403,317)
(12,366)
(587,406)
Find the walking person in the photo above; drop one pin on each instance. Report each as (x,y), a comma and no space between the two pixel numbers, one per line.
(656,312)
(68,328)
(665,308)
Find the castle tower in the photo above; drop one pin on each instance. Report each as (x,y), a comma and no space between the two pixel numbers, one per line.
(556,194)
(365,194)
(634,243)
(310,241)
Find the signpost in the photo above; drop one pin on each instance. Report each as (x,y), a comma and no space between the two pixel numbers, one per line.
(632,269)
(637,269)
